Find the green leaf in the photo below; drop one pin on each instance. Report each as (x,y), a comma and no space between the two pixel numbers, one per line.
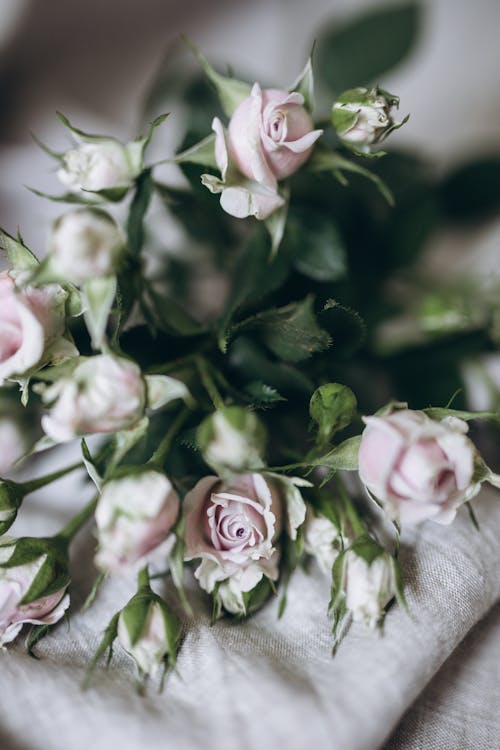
(276,223)
(362,50)
(343,457)
(231,91)
(88,460)
(20,257)
(170,317)
(315,245)
(261,394)
(135,614)
(124,441)
(35,635)
(201,153)
(346,326)
(331,161)
(98,295)
(437,412)
(305,85)
(135,150)
(332,406)
(258,596)
(162,389)
(138,208)
(367,548)
(292,332)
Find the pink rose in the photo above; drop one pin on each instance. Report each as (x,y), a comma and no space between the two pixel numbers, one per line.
(271,135)
(104,393)
(417,467)
(134,515)
(232,526)
(32,323)
(15,582)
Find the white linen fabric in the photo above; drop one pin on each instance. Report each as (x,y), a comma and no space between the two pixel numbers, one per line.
(268,682)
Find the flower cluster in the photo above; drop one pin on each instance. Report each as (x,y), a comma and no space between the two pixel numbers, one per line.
(206,455)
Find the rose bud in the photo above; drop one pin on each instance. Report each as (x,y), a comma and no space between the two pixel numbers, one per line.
(232,439)
(104,393)
(134,515)
(369,584)
(150,633)
(247,589)
(271,135)
(32,326)
(416,467)
(85,244)
(322,540)
(362,117)
(33,581)
(96,165)
(231,525)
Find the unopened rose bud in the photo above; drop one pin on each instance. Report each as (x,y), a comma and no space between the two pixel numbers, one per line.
(92,166)
(104,393)
(362,117)
(246,590)
(322,540)
(134,515)
(32,327)
(149,633)
(418,468)
(85,244)
(33,581)
(232,439)
(369,585)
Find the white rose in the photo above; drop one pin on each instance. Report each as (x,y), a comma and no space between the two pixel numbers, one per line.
(320,539)
(103,394)
(85,244)
(369,587)
(134,515)
(97,165)
(151,648)
(32,325)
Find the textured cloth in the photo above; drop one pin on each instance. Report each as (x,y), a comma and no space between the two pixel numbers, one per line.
(266,682)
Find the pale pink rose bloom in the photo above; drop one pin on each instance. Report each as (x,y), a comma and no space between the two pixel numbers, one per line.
(134,516)
(32,322)
(271,135)
(103,394)
(417,467)
(14,584)
(232,526)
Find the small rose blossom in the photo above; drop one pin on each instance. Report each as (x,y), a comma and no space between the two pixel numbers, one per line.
(368,587)
(15,582)
(232,526)
(271,135)
(104,393)
(96,165)
(32,325)
(134,515)
(231,591)
(418,468)
(85,244)
(321,540)
(362,117)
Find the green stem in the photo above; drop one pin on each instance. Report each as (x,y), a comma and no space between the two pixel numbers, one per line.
(75,524)
(208,383)
(159,456)
(143,578)
(36,484)
(350,510)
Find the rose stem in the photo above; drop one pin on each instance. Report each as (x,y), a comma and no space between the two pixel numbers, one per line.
(36,484)
(159,456)
(143,578)
(209,384)
(75,524)
(352,515)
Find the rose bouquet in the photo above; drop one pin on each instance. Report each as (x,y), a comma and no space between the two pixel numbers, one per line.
(227,436)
